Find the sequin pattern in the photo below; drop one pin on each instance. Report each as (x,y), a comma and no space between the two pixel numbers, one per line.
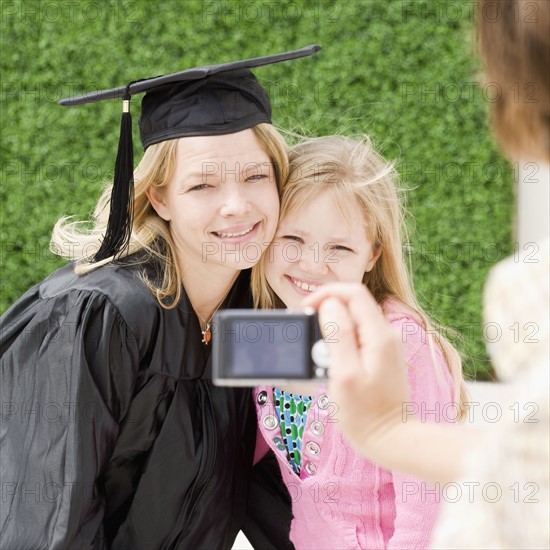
(292,413)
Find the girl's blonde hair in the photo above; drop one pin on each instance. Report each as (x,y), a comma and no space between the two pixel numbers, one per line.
(150,233)
(350,169)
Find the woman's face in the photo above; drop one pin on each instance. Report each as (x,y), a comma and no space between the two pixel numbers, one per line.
(318,245)
(222,201)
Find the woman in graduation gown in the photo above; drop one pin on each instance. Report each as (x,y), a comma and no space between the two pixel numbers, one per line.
(112,434)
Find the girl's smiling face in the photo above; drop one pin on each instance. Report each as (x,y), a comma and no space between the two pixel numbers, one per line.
(318,244)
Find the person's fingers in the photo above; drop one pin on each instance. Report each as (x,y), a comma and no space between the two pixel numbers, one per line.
(374,333)
(370,324)
(343,291)
(377,345)
(340,336)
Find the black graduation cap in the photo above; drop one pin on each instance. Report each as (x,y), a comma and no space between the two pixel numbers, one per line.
(204,101)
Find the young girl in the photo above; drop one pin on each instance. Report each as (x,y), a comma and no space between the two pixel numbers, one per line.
(341,220)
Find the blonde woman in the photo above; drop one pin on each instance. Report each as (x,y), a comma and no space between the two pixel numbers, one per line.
(341,221)
(128,444)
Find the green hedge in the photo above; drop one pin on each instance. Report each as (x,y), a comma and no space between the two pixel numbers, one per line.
(402,71)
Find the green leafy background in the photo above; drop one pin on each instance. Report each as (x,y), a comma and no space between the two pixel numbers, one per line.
(405,72)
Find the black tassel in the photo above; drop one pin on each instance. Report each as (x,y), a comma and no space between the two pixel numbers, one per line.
(119,226)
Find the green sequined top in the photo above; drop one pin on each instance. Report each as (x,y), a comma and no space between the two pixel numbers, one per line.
(292,413)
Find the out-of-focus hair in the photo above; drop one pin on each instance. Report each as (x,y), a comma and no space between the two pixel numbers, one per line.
(514,44)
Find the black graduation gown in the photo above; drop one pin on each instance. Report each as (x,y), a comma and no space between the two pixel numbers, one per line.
(112,435)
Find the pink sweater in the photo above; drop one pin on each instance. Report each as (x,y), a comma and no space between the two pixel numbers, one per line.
(342,500)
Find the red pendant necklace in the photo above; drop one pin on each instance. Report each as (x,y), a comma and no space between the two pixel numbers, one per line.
(207,332)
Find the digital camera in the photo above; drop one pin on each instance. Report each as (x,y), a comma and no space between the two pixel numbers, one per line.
(255,347)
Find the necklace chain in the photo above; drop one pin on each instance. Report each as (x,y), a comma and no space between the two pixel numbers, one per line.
(207,333)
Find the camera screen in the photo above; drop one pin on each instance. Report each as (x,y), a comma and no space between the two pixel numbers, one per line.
(265,348)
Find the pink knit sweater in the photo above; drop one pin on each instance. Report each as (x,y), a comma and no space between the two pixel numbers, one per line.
(342,500)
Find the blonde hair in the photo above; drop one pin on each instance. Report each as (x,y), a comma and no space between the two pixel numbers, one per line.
(150,234)
(352,169)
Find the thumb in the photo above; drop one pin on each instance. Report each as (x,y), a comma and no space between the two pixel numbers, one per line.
(339,335)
